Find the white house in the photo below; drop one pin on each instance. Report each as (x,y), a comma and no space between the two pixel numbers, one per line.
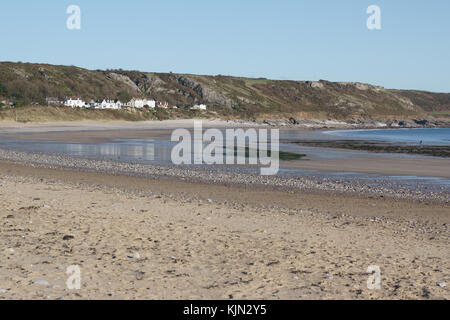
(199,107)
(97,104)
(111,104)
(106,104)
(94,103)
(74,102)
(141,103)
(117,104)
(150,103)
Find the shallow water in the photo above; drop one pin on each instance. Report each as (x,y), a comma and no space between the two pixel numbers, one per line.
(426,136)
(158,152)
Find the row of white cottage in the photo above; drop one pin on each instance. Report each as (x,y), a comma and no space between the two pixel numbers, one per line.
(117,104)
(109,104)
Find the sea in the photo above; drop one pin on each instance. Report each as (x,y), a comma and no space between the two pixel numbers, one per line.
(426,136)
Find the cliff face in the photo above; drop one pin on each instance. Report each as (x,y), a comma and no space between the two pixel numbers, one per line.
(25,83)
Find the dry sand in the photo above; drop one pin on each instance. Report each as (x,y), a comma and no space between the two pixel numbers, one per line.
(12,127)
(137,238)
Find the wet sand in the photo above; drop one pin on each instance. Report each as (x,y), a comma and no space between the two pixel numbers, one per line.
(361,162)
(389,166)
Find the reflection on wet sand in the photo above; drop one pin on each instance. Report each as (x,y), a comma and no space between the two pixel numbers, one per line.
(145,152)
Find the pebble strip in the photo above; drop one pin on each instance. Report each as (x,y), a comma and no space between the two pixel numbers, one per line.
(222,175)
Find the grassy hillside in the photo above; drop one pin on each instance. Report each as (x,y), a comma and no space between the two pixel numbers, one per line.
(48,114)
(226,96)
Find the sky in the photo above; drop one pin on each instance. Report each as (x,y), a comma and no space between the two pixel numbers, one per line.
(276,39)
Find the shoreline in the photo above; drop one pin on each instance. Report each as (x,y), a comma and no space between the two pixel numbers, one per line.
(283,122)
(346,160)
(221,176)
(229,192)
(438,151)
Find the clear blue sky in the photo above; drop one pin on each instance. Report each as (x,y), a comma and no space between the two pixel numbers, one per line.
(290,39)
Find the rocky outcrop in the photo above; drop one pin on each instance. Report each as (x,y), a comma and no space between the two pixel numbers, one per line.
(357,123)
(124,79)
(315,84)
(45,75)
(20,73)
(362,86)
(208,94)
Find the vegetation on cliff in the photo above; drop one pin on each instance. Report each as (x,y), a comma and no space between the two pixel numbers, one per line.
(229,97)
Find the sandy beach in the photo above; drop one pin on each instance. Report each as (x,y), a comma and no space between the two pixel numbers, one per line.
(133,243)
(166,235)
